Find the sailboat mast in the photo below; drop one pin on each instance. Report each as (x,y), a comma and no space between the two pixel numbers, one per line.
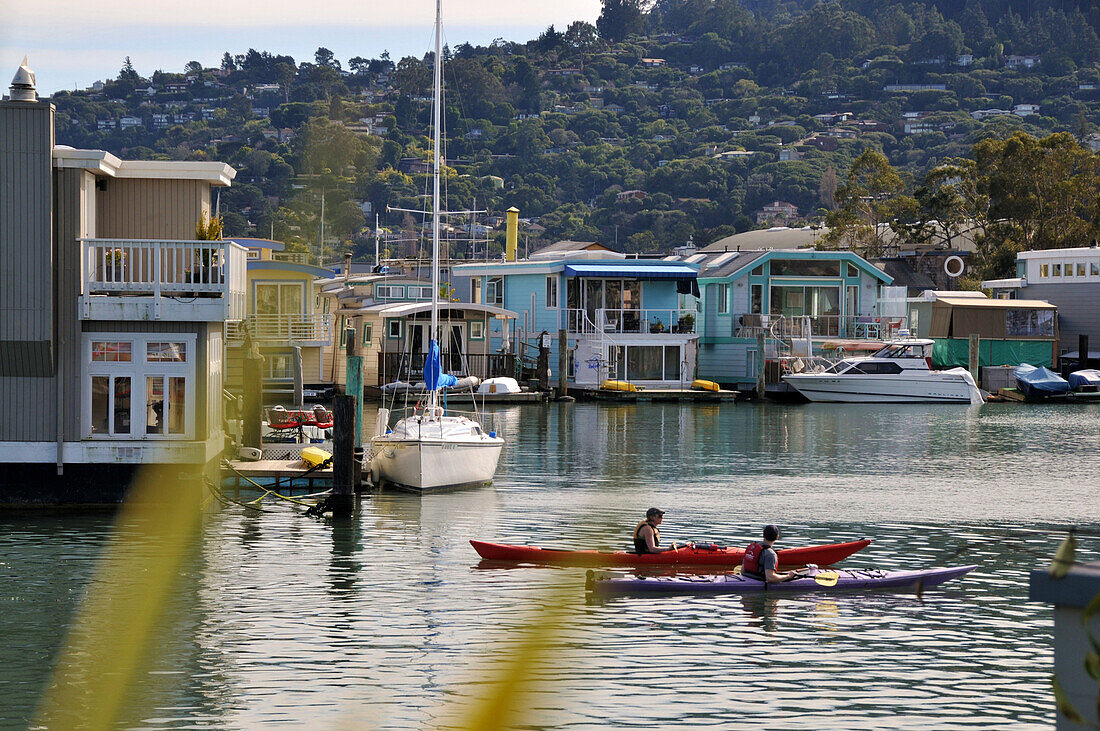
(437,97)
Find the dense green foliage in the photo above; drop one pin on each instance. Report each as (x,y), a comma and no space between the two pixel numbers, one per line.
(666,98)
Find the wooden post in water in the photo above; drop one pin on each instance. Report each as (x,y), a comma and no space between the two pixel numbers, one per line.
(975,344)
(760,386)
(543,369)
(1082,351)
(355,381)
(563,360)
(342,500)
(253,394)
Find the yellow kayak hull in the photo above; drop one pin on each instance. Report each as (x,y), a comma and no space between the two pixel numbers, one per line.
(610,385)
(701,385)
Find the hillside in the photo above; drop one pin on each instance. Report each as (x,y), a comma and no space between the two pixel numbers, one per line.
(657,126)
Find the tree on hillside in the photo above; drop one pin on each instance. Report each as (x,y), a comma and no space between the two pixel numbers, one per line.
(872,198)
(620,18)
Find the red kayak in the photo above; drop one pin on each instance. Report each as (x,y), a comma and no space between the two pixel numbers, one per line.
(698,554)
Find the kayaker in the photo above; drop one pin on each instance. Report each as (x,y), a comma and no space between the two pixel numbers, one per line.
(761,561)
(647,537)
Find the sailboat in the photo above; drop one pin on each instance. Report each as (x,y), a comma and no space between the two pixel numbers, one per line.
(429,449)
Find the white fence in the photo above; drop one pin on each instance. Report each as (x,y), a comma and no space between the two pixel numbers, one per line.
(283,328)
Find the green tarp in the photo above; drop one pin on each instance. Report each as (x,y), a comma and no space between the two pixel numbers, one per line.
(955,352)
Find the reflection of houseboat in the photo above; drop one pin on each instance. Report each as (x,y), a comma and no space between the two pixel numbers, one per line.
(900,372)
(118,314)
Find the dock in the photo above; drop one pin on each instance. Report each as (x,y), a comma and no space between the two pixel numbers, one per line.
(276,474)
(465,397)
(657,394)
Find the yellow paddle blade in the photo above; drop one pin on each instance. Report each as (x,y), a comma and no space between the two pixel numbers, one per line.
(826,578)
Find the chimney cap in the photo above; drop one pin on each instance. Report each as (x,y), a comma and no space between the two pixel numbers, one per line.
(23,83)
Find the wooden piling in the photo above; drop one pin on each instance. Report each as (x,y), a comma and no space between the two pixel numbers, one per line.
(760,345)
(354,381)
(342,500)
(563,362)
(543,369)
(975,344)
(1082,351)
(253,402)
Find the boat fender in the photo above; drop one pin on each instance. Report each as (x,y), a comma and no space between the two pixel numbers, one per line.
(249,454)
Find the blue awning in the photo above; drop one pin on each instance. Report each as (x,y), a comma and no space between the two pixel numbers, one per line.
(632,271)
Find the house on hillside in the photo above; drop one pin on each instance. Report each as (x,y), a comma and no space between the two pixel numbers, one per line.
(777,213)
(111,314)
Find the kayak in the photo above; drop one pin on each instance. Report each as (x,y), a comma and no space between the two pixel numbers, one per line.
(816,581)
(698,554)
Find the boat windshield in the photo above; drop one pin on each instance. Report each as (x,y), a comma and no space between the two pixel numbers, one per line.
(839,367)
(902,350)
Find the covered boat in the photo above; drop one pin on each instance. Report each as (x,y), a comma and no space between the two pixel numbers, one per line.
(815,580)
(1088,379)
(1039,382)
(691,554)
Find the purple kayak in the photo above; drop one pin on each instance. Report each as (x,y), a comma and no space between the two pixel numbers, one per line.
(819,580)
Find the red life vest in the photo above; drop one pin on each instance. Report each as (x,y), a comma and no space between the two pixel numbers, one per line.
(753,564)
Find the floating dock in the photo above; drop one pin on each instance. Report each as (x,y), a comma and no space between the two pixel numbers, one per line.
(657,394)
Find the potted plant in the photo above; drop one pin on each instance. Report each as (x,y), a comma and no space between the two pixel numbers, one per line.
(206,268)
(657,326)
(686,323)
(115,260)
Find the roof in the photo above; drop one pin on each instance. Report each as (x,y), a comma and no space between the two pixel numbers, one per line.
(775,238)
(286,266)
(634,269)
(258,243)
(971,301)
(904,274)
(719,264)
(570,246)
(100,161)
(403,309)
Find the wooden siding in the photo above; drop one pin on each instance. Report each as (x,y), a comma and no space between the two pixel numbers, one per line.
(74,193)
(725,362)
(28,386)
(1078,313)
(150,209)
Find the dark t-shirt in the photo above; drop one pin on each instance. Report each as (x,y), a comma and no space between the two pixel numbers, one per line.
(769,560)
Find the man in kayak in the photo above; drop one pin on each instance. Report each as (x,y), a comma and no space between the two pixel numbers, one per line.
(647,537)
(761,560)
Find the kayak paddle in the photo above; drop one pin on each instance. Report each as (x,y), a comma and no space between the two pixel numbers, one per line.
(826,578)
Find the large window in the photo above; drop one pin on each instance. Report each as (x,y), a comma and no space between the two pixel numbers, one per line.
(757,305)
(1033,323)
(805,268)
(274,298)
(552,291)
(645,362)
(139,385)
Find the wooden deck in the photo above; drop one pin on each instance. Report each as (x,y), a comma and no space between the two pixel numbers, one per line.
(657,394)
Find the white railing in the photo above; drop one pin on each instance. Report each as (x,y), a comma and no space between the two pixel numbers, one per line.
(626,321)
(286,328)
(821,326)
(157,267)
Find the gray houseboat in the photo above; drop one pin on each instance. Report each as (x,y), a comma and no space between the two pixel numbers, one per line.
(111,314)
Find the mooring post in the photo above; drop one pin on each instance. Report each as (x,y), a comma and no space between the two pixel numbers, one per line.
(1082,351)
(760,365)
(975,344)
(355,381)
(253,388)
(563,355)
(543,369)
(342,500)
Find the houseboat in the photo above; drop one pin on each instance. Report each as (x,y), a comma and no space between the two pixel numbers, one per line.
(111,313)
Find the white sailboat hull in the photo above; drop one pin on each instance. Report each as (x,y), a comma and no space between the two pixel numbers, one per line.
(910,387)
(429,465)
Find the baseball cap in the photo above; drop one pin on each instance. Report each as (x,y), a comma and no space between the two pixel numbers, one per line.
(653,511)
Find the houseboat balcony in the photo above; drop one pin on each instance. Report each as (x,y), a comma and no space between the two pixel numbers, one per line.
(750,325)
(303,329)
(627,321)
(175,280)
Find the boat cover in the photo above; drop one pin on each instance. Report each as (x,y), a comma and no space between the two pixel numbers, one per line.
(1039,381)
(1087,377)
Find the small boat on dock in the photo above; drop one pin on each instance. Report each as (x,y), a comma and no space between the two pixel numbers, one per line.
(815,580)
(1037,383)
(1084,385)
(691,554)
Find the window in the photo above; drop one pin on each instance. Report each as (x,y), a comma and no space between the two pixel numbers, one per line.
(1044,270)
(342,327)
(1080,268)
(393,330)
(278,367)
(388,291)
(1033,323)
(494,292)
(1068,270)
(420,293)
(552,291)
(104,351)
(758,271)
(1056,270)
(723,299)
(475,290)
(138,398)
(1094,268)
(273,298)
(477,330)
(757,298)
(805,268)
(368,333)
(850,269)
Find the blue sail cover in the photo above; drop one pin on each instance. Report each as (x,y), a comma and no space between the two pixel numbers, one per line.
(1039,381)
(434,377)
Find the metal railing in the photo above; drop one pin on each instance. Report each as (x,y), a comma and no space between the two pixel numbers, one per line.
(654,321)
(172,268)
(821,326)
(285,328)
(406,367)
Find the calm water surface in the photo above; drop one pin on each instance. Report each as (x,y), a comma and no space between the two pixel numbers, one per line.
(389,621)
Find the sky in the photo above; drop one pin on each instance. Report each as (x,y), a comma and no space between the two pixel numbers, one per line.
(71,44)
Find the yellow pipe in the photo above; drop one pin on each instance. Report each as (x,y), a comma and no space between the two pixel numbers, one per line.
(512,233)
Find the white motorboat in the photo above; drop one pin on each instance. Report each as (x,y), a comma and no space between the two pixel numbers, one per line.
(899,372)
(429,449)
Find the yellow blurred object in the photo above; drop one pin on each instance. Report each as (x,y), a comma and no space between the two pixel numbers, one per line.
(610,385)
(313,456)
(701,385)
(1064,556)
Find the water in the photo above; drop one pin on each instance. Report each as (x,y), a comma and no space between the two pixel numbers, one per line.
(389,621)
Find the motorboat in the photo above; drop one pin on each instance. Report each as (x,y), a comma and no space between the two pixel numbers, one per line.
(899,372)
(1084,385)
(430,449)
